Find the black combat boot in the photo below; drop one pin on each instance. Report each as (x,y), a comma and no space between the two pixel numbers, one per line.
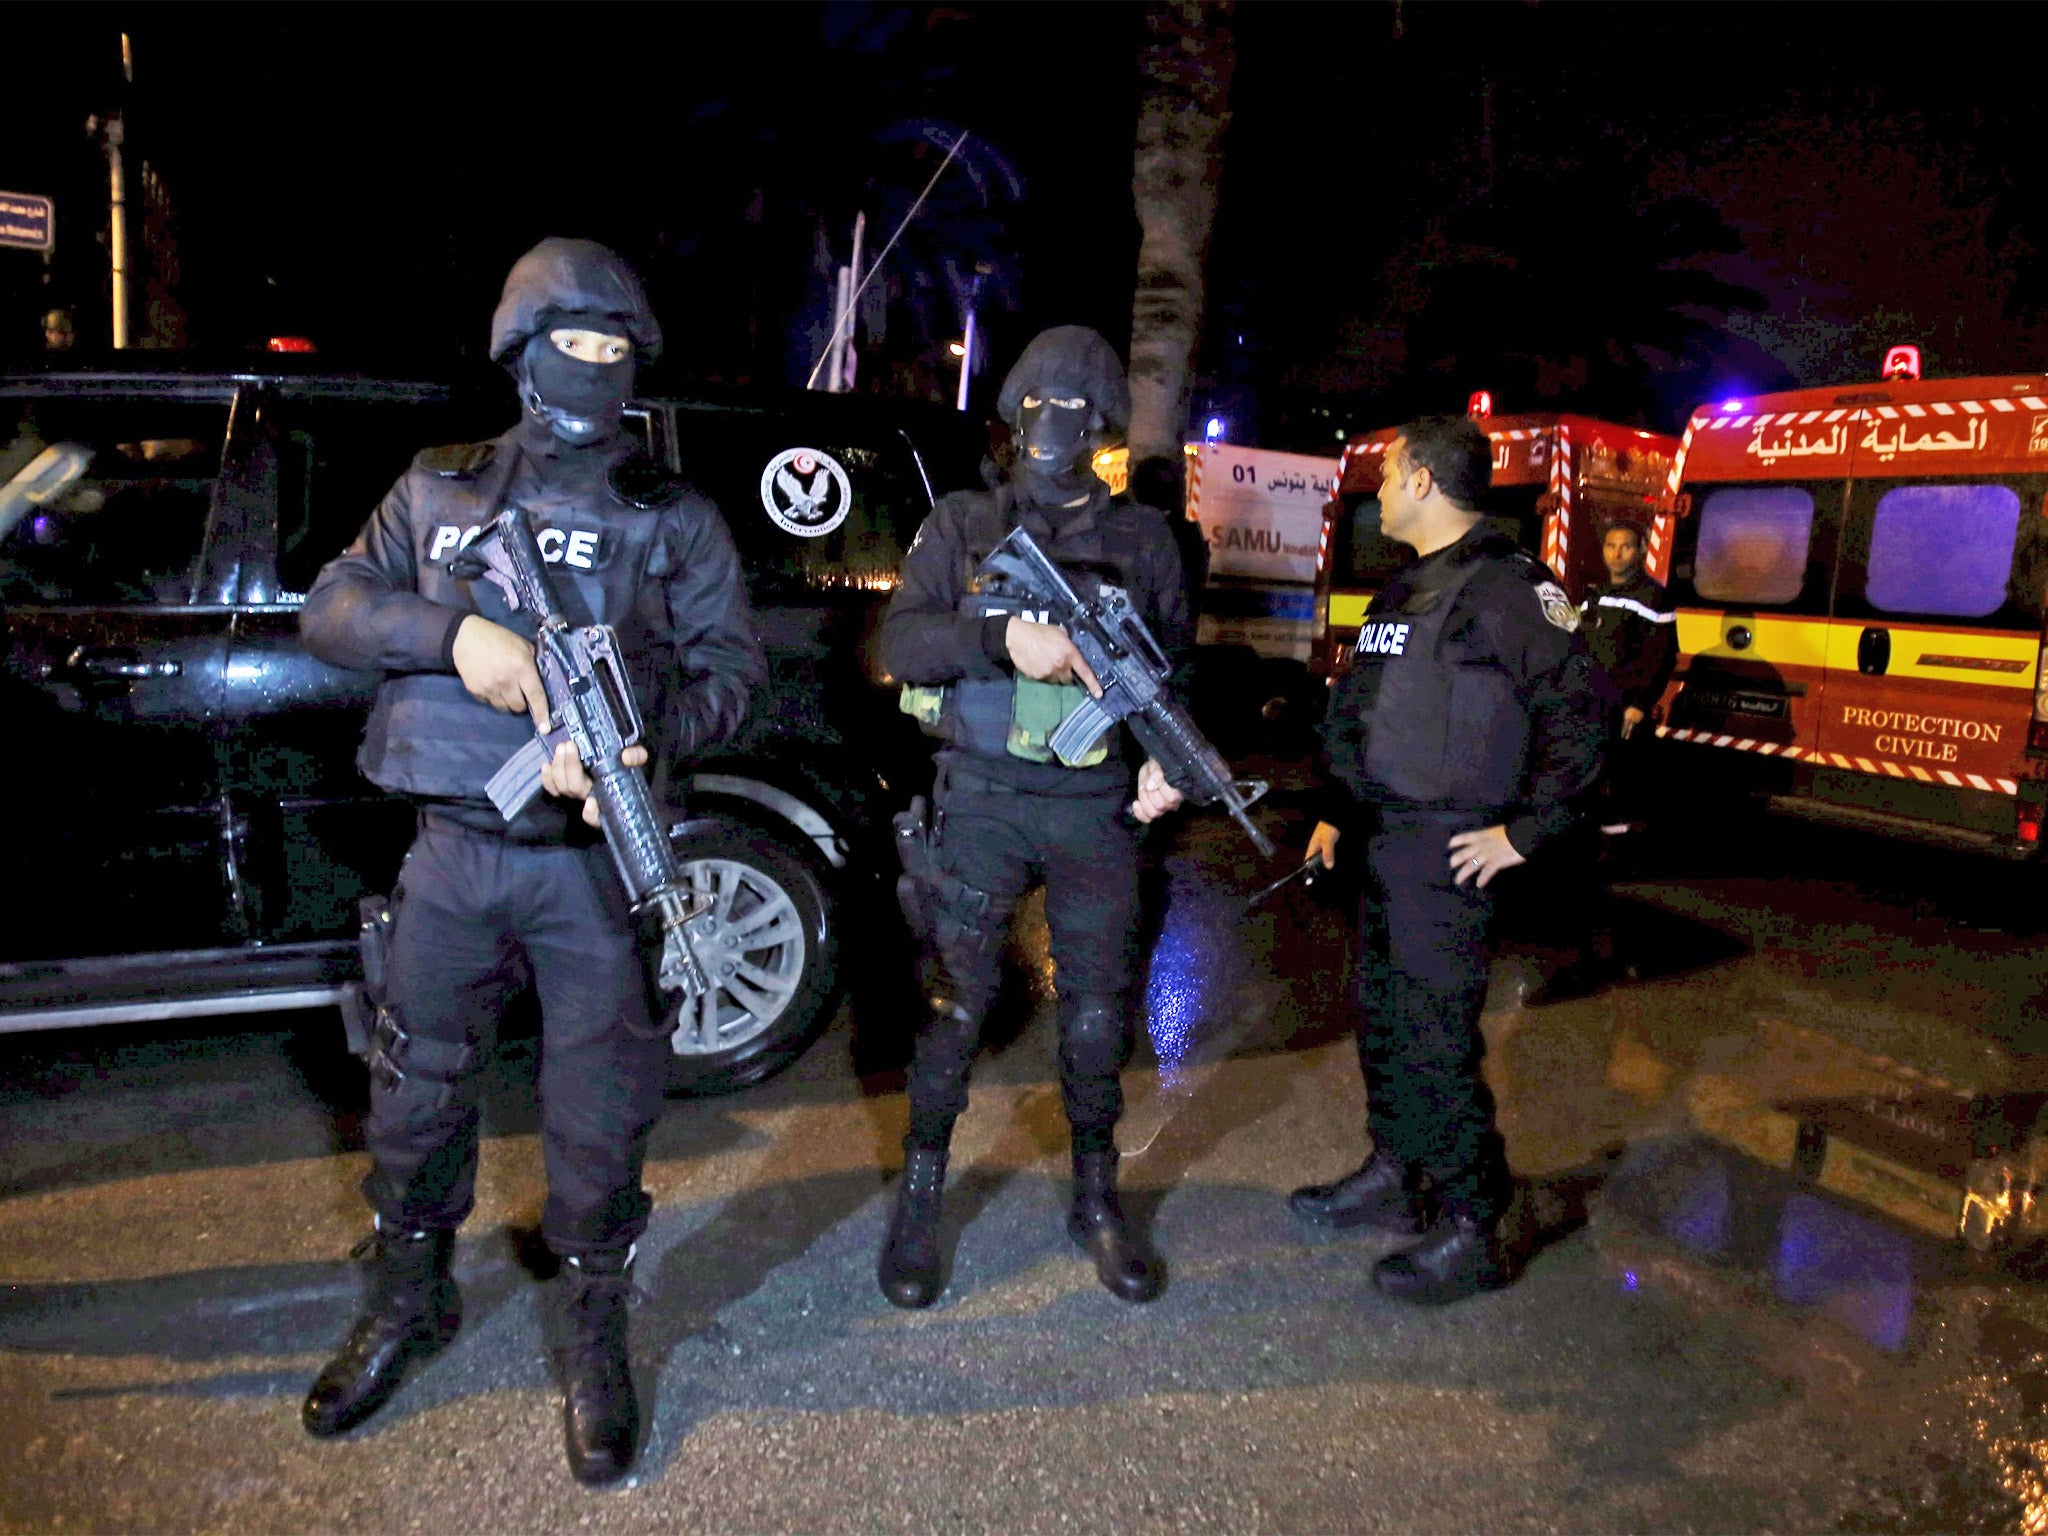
(412,1311)
(586,1327)
(1097,1223)
(1380,1193)
(1460,1256)
(911,1271)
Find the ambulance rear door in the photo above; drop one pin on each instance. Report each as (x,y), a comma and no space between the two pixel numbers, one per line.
(1752,579)
(1611,476)
(1937,616)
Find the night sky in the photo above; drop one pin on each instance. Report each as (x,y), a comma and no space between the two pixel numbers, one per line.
(1620,209)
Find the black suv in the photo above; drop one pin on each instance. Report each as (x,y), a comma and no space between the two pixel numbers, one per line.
(190,835)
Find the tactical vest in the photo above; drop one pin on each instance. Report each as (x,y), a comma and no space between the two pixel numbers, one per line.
(427,735)
(1017,715)
(1440,729)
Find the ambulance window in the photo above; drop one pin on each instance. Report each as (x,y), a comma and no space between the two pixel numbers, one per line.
(1942,549)
(1753,544)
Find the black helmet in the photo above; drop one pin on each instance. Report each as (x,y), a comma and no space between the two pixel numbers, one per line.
(1070,357)
(570,277)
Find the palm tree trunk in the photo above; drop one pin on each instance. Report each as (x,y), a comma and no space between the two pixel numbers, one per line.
(1185,67)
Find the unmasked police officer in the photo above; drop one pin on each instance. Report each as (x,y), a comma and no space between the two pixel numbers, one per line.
(1470,723)
(481,907)
(993,683)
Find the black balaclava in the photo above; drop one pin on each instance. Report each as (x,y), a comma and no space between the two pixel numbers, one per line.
(1055,444)
(579,285)
(581,403)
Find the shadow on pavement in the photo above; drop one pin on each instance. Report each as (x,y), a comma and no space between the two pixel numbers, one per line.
(765,1303)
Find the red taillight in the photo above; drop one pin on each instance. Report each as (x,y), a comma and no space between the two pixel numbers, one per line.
(2029,826)
(290,344)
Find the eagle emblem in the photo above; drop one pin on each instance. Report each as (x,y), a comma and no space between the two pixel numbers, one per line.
(806,492)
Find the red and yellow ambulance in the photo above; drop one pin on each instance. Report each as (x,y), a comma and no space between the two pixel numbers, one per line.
(1859,576)
(1559,481)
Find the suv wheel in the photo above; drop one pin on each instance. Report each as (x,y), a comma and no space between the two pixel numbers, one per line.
(772,959)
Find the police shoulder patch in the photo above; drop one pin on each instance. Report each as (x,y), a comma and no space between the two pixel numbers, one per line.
(456,461)
(1557,608)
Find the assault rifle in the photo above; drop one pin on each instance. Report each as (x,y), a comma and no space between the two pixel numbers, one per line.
(592,707)
(1133,671)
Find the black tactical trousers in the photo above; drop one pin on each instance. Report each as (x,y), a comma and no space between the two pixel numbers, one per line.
(1421,987)
(1085,852)
(476,917)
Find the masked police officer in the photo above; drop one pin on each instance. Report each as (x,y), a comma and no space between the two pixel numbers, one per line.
(481,906)
(1470,723)
(994,683)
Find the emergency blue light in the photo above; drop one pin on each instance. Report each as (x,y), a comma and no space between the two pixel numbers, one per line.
(1214,430)
(1731,405)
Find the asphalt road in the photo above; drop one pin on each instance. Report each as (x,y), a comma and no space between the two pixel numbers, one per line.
(1698,1343)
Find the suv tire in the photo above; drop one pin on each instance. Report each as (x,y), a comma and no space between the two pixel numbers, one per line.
(766,888)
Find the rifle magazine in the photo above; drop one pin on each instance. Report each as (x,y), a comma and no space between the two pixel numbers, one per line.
(513,787)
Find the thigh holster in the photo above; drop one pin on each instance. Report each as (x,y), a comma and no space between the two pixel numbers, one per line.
(361,1003)
(947,916)
(408,1066)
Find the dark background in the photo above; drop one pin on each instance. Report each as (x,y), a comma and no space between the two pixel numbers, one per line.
(1618,209)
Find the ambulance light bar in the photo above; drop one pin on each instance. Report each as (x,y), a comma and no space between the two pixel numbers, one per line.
(1480,405)
(1902,362)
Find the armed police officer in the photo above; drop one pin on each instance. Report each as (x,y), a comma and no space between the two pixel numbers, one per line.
(994,683)
(482,906)
(1469,725)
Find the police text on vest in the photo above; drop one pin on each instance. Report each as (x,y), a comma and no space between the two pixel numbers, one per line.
(1385,638)
(556,547)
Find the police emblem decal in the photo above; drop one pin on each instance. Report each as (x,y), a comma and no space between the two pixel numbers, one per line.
(1556,606)
(805,492)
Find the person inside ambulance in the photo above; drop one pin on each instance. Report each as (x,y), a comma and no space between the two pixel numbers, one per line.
(1632,632)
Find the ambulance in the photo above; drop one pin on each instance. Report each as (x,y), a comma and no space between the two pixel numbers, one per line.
(1261,516)
(1859,575)
(1559,481)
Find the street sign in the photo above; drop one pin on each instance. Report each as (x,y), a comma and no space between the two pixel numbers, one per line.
(27,222)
